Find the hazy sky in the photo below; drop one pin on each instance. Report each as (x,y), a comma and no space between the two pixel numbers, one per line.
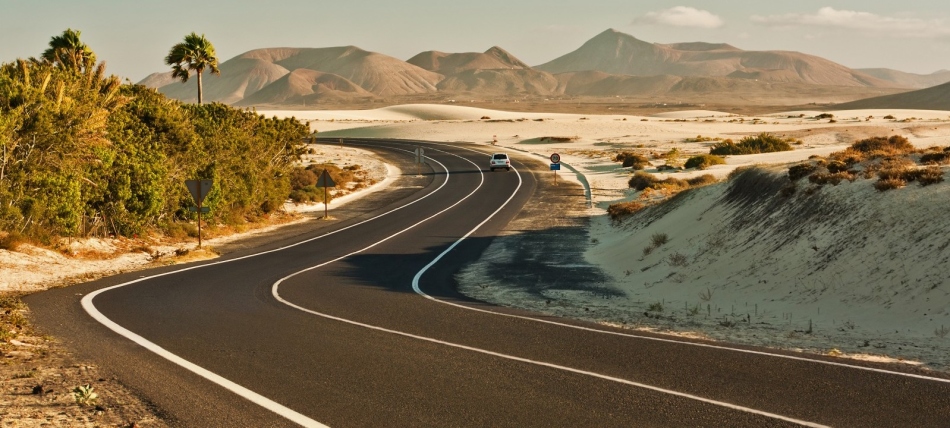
(134,36)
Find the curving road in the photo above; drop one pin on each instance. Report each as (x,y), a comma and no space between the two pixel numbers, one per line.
(358,323)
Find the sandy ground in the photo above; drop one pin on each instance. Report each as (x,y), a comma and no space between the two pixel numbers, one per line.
(864,280)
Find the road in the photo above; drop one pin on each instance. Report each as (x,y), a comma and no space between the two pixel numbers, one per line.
(357,322)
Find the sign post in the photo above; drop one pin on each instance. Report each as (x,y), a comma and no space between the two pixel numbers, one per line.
(325,181)
(420,154)
(555,165)
(199,189)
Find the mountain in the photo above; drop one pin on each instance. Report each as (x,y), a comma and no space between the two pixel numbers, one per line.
(443,63)
(244,75)
(934,98)
(908,80)
(500,82)
(614,52)
(304,86)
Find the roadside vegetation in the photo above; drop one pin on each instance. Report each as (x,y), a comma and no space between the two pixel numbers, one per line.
(762,143)
(84,155)
(893,161)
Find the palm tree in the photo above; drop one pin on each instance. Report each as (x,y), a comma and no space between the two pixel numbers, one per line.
(68,52)
(196,54)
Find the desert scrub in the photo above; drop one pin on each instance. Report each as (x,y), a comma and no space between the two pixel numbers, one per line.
(632,160)
(623,209)
(802,170)
(833,178)
(930,175)
(704,161)
(875,148)
(762,143)
(702,180)
(641,180)
(889,184)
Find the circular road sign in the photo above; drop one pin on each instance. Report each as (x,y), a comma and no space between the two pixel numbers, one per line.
(555,158)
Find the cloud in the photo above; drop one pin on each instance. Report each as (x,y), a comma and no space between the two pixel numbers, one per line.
(829,17)
(681,16)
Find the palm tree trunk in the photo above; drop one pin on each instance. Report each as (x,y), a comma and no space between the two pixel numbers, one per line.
(199,87)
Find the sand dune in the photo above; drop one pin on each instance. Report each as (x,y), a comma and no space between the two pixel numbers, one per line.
(909,80)
(618,53)
(935,98)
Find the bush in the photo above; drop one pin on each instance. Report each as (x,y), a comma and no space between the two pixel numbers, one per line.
(659,239)
(938,158)
(884,146)
(762,143)
(797,172)
(11,241)
(930,175)
(641,180)
(702,180)
(704,161)
(889,184)
(623,209)
(632,160)
(822,178)
(825,116)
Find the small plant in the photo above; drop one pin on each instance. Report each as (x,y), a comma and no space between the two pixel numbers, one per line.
(890,117)
(702,180)
(659,239)
(704,161)
(648,250)
(655,307)
(84,395)
(930,175)
(825,116)
(889,184)
(693,311)
(762,143)
(622,209)
(801,170)
(706,295)
(11,241)
(641,180)
(677,259)
(942,332)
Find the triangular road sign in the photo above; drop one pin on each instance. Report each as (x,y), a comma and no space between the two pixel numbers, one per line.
(325,180)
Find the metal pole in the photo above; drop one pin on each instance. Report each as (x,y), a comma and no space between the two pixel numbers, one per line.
(325,203)
(199,214)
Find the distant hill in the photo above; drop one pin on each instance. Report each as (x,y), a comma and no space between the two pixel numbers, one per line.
(909,80)
(447,64)
(612,64)
(934,98)
(248,73)
(614,52)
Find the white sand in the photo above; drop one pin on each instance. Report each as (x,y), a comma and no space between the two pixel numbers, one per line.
(879,295)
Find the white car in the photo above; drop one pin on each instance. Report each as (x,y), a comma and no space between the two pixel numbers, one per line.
(499,160)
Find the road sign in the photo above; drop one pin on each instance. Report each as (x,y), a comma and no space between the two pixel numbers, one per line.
(420,155)
(199,189)
(555,158)
(204,210)
(555,167)
(325,180)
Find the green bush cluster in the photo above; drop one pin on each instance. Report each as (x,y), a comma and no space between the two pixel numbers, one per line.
(704,161)
(84,155)
(632,160)
(762,143)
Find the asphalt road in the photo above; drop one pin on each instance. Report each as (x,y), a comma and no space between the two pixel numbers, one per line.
(325,327)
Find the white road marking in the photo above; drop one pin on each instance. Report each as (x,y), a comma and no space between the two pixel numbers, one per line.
(417,289)
(90,308)
(276,294)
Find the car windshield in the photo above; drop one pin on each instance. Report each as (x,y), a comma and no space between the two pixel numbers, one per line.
(500,156)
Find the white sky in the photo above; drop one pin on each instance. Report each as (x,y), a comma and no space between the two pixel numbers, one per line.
(134,36)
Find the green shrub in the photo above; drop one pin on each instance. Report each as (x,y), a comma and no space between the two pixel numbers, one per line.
(704,161)
(641,180)
(11,241)
(659,239)
(762,143)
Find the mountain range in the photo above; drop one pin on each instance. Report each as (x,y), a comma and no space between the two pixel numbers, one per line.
(612,64)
